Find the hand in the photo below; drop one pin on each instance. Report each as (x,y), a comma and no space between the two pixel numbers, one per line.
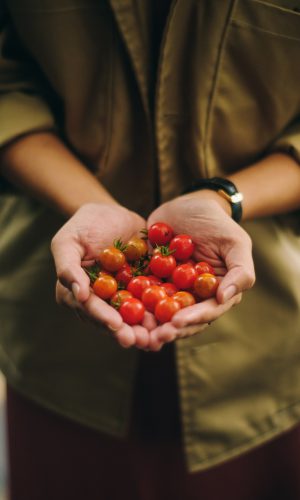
(222,243)
(93,227)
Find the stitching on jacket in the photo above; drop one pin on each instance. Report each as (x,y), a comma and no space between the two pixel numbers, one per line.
(244,25)
(245,443)
(215,80)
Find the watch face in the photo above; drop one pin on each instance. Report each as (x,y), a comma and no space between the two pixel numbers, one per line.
(237,198)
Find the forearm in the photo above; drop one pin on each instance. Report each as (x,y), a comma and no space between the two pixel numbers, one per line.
(43,166)
(269,187)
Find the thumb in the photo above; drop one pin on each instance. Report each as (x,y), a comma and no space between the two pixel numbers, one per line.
(240,275)
(67,256)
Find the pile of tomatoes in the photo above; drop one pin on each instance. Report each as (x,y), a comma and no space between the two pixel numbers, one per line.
(158,275)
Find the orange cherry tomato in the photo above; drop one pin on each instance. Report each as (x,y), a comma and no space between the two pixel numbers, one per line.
(184,298)
(105,286)
(205,285)
(135,249)
(112,259)
(165,309)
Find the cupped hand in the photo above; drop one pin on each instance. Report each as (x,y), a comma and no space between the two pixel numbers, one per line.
(93,227)
(219,241)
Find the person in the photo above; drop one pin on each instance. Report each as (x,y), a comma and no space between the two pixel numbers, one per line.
(109,112)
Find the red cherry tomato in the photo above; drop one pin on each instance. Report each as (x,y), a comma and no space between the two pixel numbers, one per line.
(132,311)
(152,295)
(162,265)
(183,246)
(170,288)
(165,309)
(184,276)
(137,285)
(154,280)
(135,249)
(112,259)
(124,275)
(105,286)
(204,267)
(160,233)
(119,297)
(185,299)
(206,285)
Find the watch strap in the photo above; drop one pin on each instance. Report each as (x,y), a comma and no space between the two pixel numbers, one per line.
(225,188)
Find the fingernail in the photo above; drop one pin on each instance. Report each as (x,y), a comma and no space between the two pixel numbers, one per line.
(112,328)
(229,293)
(75,290)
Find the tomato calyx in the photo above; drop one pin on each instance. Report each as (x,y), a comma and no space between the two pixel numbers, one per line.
(92,272)
(164,250)
(119,245)
(144,233)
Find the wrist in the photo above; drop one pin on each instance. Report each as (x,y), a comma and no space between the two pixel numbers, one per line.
(225,189)
(208,194)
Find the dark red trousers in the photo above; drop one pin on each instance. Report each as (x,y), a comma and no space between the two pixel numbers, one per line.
(52,458)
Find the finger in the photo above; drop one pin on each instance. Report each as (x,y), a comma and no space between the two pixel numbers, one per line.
(125,336)
(67,256)
(142,336)
(95,309)
(162,334)
(149,321)
(205,312)
(190,331)
(241,274)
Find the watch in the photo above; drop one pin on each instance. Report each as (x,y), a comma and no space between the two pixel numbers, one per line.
(224,188)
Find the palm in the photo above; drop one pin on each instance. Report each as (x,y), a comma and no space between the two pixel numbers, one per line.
(98,226)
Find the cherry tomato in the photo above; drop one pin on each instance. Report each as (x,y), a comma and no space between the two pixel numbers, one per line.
(183,246)
(135,249)
(206,285)
(105,286)
(170,288)
(204,267)
(152,295)
(184,276)
(166,308)
(112,259)
(154,280)
(162,265)
(119,297)
(132,311)
(124,275)
(160,233)
(137,285)
(185,299)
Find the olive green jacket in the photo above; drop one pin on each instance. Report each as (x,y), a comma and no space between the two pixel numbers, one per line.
(226,93)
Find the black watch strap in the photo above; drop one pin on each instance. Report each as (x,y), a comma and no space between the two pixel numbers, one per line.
(226,189)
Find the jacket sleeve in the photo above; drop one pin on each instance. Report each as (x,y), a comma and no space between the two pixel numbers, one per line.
(289,141)
(23,101)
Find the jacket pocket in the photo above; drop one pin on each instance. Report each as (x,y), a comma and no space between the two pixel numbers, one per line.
(274,18)
(256,95)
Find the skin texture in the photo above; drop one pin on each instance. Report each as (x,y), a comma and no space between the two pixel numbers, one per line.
(271,186)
